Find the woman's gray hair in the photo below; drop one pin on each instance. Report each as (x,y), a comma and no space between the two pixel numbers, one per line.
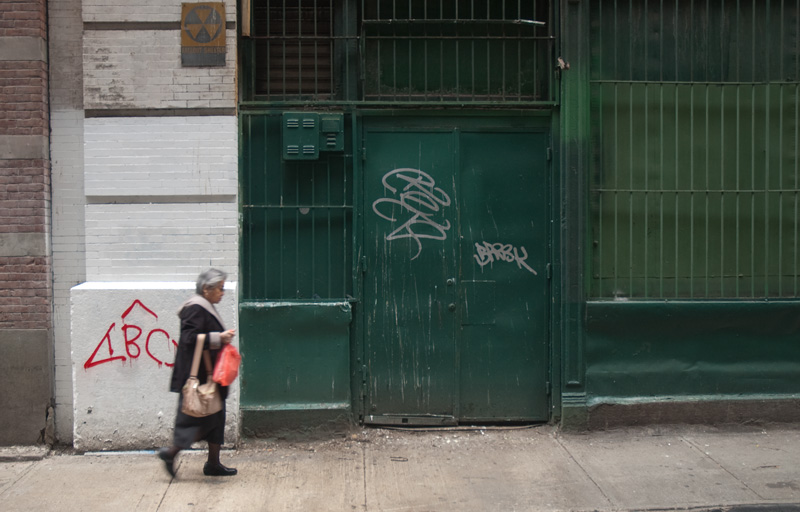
(210,277)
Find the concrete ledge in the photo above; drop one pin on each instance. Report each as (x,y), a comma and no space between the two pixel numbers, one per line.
(26,370)
(296,423)
(23,244)
(24,147)
(23,48)
(23,453)
(699,412)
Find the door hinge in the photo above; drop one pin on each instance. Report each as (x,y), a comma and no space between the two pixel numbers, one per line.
(549,271)
(549,154)
(549,389)
(363,264)
(363,154)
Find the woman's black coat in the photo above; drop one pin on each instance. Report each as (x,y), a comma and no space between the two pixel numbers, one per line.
(194,320)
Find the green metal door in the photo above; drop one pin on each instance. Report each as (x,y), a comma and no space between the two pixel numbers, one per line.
(455,263)
(410,248)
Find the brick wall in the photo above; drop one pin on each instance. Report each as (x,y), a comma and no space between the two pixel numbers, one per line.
(25,260)
(23,18)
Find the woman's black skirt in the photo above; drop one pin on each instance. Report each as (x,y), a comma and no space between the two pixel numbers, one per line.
(189,429)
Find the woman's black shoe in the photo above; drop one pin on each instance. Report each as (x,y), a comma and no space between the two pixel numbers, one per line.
(169,460)
(218,470)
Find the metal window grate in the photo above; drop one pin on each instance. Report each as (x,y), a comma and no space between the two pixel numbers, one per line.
(296,219)
(409,51)
(464,50)
(294,46)
(696,125)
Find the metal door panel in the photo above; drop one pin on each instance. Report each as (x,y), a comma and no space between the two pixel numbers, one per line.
(504,253)
(455,284)
(410,255)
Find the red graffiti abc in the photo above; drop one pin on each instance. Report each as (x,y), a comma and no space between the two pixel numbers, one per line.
(131,334)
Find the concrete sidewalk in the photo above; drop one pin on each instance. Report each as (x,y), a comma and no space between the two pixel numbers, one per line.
(657,468)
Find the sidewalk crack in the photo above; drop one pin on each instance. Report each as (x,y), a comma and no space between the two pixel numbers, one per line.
(364,474)
(723,468)
(585,472)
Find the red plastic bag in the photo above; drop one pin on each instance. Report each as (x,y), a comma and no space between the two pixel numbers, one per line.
(227,367)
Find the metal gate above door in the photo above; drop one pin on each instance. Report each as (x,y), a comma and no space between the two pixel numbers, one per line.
(456,254)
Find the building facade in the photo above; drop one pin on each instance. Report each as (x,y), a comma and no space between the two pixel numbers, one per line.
(432,213)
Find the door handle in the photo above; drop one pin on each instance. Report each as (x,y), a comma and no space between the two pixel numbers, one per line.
(451,307)
(451,281)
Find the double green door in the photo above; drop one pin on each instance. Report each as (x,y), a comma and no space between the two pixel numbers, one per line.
(456,290)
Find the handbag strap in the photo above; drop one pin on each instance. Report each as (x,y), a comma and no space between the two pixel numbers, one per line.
(198,349)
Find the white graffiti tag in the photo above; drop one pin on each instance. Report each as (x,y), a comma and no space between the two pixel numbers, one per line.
(420,198)
(487,253)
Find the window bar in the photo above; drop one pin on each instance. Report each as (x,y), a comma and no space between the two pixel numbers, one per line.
(631,164)
(300,47)
(316,51)
(458,68)
(662,172)
(473,87)
(503,51)
(738,183)
(780,182)
(441,52)
(707,210)
(410,57)
(646,169)
(268,45)
(753,193)
(722,192)
(646,163)
(394,54)
(347,222)
(677,184)
(766,182)
(691,181)
(343,49)
(296,290)
(617,164)
(379,70)
(489,47)
(282,236)
(599,272)
(519,55)
(425,88)
(796,173)
(329,238)
(616,183)
(283,63)
(313,212)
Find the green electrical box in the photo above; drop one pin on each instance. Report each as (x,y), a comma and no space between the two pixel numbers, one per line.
(305,134)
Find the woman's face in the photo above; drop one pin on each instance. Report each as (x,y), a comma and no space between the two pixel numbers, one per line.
(213,294)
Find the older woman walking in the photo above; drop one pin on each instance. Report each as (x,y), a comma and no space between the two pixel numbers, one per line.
(199,316)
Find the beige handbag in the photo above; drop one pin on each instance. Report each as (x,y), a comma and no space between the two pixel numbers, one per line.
(200,399)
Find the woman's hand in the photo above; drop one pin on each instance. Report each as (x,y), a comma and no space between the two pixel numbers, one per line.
(227,336)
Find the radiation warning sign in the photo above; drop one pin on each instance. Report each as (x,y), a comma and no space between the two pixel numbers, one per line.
(203,34)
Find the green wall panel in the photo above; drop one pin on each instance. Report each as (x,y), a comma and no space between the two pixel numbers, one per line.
(647,350)
(295,356)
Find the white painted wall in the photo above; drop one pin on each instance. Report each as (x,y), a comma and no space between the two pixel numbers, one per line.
(141,10)
(142,242)
(137,198)
(65,47)
(161,156)
(121,390)
(142,69)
